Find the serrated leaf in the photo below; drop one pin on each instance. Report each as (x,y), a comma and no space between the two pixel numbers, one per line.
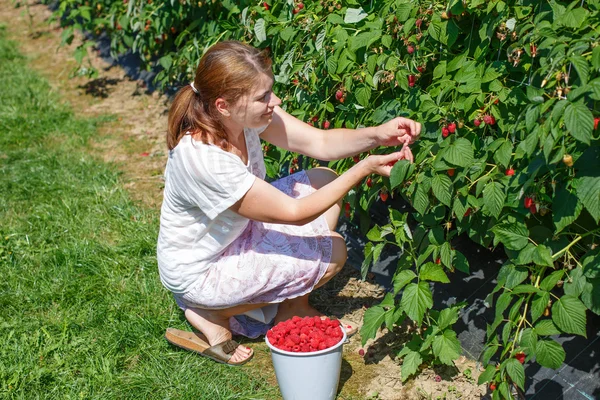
(493,198)
(363,95)
(442,189)
(416,299)
(568,313)
(566,208)
(550,281)
(549,354)
(403,278)
(516,275)
(546,328)
(372,321)
(591,295)
(320,39)
(504,153)
(525,289)
(516,372)
(543,256)
(513,236)
(448,316)
(354,15)
(528,341)
(588,192)
(574,286)
(446,347)
(433,272)
(459,153)
(591,263)
(460,262)
(538,305)
(487,375)
(582,68)
(410,364)
(400,172)
(579,122)
(260,30)
(420,200)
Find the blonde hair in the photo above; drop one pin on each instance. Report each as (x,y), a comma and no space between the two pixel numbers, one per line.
(227,70)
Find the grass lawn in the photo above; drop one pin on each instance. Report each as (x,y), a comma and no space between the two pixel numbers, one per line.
(83,312)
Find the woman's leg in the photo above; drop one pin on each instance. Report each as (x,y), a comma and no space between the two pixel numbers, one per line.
(214,324)
(319,177)
(299,306)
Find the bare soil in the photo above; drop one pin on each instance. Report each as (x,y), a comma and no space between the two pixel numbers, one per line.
(134,141)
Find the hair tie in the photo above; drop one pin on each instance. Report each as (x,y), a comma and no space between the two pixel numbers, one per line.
(194,88)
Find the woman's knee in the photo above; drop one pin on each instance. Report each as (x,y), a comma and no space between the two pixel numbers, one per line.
(339,253)
(321,176)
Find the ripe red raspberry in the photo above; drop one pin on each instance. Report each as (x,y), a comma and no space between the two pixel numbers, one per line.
(437,378)
(383,196)
(355,159)
(477,122)
(438,260)
(533,209)
(421,68)
(451,127)
(369,182)
(266,6)
(492,387)
(520,357)
(361,352)
(468,212)
(596,121)
(296,10)
(527,202)
(300,6)
(510,172)
(326,124)
(445,132)
(451,171)
(410,49)
(295,82)
(489,119)
(339,95)
(315,118)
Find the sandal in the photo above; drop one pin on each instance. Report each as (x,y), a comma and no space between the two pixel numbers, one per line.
(192,341)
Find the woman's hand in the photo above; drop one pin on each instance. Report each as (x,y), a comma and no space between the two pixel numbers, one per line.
(382,164)
(398,131)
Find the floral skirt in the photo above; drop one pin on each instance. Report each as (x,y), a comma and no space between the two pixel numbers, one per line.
(267,263)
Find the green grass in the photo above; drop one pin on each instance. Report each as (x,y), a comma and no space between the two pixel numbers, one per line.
(82,310)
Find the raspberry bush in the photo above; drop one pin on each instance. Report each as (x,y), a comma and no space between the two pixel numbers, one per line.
(508,94)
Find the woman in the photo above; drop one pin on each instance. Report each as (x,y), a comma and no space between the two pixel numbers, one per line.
(230,242)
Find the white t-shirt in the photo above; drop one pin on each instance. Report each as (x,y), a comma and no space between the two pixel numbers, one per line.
(201,182)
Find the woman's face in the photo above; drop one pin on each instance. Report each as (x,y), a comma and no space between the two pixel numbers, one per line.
(256,109)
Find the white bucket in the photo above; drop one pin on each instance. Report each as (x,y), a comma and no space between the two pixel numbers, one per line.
(308,376)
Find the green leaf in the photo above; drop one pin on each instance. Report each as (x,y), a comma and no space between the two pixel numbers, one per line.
(448,316)
(588,192)
(566,208)
(403,278)
(487,375)
(460,153)
(354,15)
(543,256)
(420,199)
(416,299)
(493,198)
(446,347)
(538,305)
(528,341)
(320,39)
(504,153)
(363,95)
(400,172)
(460,262)
(591,263)
(516,372)
(410,364)
(442,189)
(549,354)
(579,121)
(166,61)
(591,295)
(372,321)
(546,328)
(550,281)
(574,286)
(515,276)
(259,30)
(433,272)
(582,68)
(568,313)
(531,117)
(525,289)
(513,236)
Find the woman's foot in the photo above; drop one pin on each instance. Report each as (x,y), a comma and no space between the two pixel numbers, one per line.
(216,330)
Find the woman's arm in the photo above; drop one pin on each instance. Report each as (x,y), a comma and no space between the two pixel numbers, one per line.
(288,132)
(265,203)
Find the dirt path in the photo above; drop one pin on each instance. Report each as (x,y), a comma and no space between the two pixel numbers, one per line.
(134,140)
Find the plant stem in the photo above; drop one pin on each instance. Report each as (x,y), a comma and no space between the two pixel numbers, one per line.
(577,239)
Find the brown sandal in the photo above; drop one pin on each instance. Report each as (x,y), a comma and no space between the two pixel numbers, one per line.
(193,341)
